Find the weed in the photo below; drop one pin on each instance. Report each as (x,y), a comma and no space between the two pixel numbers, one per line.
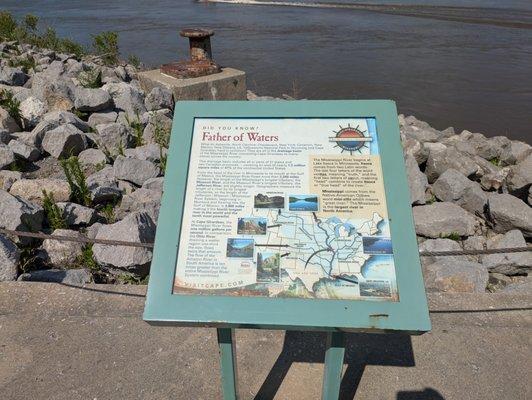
(101,165)
(11,105)
(105,45)
(120,149)
(30,22)
(91,79)
(132,280)
(162,160)
(26,63)
(431,200)
(108,212)
(28,256)
(86,259)
(138,130)
(81,115)
(496,161)
(53,213)
(133,60)
(76,179)
(453,236)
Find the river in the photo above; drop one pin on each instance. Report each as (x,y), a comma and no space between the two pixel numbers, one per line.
(466,64)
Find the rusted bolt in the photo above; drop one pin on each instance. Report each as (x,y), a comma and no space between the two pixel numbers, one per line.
(201,62)
(200,43)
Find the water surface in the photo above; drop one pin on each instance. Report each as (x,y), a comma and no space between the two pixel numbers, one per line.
(462,63)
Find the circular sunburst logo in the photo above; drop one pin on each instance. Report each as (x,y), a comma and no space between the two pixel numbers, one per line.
(351,139)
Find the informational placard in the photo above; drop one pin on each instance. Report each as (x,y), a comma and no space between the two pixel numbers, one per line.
(286,207)
(287,215)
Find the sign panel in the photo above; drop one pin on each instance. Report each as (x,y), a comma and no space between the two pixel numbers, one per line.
(286,207)
(291,215)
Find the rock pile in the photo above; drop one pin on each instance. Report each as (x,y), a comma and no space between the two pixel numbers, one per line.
(469,192)
(82,152)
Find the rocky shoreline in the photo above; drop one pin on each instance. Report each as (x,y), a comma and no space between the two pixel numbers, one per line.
(83,153)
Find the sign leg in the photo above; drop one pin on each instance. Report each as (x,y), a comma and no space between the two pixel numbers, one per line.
(334,360)
(227,349)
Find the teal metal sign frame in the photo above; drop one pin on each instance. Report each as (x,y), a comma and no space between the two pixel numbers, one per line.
(409,314)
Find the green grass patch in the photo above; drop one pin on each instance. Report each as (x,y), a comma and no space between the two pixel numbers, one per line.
(53,213)
(77,181)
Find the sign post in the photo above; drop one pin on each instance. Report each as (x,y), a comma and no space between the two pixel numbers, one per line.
(287,215)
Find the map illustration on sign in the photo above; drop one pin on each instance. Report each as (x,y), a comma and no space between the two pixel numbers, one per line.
(281,207)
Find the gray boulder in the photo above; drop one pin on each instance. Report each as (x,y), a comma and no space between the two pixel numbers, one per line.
(32,110)
(102,118)
(474,243)
(487,148)
(452,277)
(151,152)
(7,157)
(5,136)
(154,184)
(441,160)
(443,219)
(508,263)
(103,186)
(58,118)
(136,227)
(126,97)
(92,157)
(515,153)
(7,122)
(455,187)
(91,100)
(158,98)
(66,276)
(141,200)
(520,175)
(24,151)
(32,189)
(19,214)
(77,215)
(440,245)
(7,178)
(507,212)
(112,137)
(61,253)
(9,258)
(134,170)
(413,147)
(64,141)
(417,181)
(157,123)
(521,287)
(56,92)
(12,76)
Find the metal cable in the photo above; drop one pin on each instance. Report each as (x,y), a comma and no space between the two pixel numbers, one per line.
(83,239)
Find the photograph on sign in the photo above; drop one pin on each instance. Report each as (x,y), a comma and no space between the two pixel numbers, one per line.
(286,207)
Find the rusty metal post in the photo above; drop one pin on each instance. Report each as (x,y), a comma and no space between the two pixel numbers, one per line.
(201,62)
(200,43)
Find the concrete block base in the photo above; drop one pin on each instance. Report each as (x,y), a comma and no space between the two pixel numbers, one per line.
(230,84)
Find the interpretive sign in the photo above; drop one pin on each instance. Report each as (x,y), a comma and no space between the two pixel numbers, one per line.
(287,215)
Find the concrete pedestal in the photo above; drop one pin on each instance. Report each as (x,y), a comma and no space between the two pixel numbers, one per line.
(230,84)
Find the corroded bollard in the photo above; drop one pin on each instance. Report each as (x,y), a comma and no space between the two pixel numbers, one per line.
(201,62)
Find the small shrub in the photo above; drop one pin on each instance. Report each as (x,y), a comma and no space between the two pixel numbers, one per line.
(30,22)
(105,45)
(8,26)
(91,79)
(11,105)
(86,259)
(76,179)
(133,60)
(53,213)
(138,130)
